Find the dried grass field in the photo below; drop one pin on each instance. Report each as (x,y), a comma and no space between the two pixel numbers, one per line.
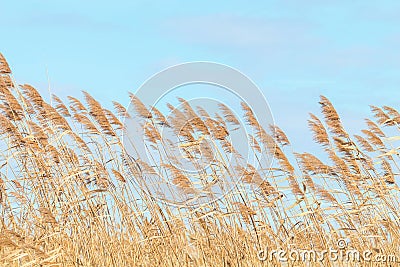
(72,195)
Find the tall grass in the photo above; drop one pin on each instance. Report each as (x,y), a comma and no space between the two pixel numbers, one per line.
(72,195)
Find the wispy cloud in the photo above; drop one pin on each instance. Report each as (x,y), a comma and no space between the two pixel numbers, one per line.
(289,41)
(240,31)
(67,20)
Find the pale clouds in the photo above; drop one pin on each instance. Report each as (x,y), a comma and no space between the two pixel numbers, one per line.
(240,31)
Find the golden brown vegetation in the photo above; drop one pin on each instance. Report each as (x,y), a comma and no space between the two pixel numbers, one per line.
(70,195)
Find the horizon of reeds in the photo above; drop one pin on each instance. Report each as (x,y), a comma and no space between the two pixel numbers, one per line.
(72,195)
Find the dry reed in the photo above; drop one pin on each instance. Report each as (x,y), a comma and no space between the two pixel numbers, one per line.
(71,194)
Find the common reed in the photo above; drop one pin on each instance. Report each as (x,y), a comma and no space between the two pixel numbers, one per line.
(72,195)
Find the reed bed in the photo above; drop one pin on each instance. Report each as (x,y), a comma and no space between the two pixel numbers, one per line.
(72,195)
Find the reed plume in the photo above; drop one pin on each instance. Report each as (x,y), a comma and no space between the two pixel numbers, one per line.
(73,194)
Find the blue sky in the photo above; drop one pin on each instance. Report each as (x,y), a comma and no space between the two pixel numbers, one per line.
(293,50)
